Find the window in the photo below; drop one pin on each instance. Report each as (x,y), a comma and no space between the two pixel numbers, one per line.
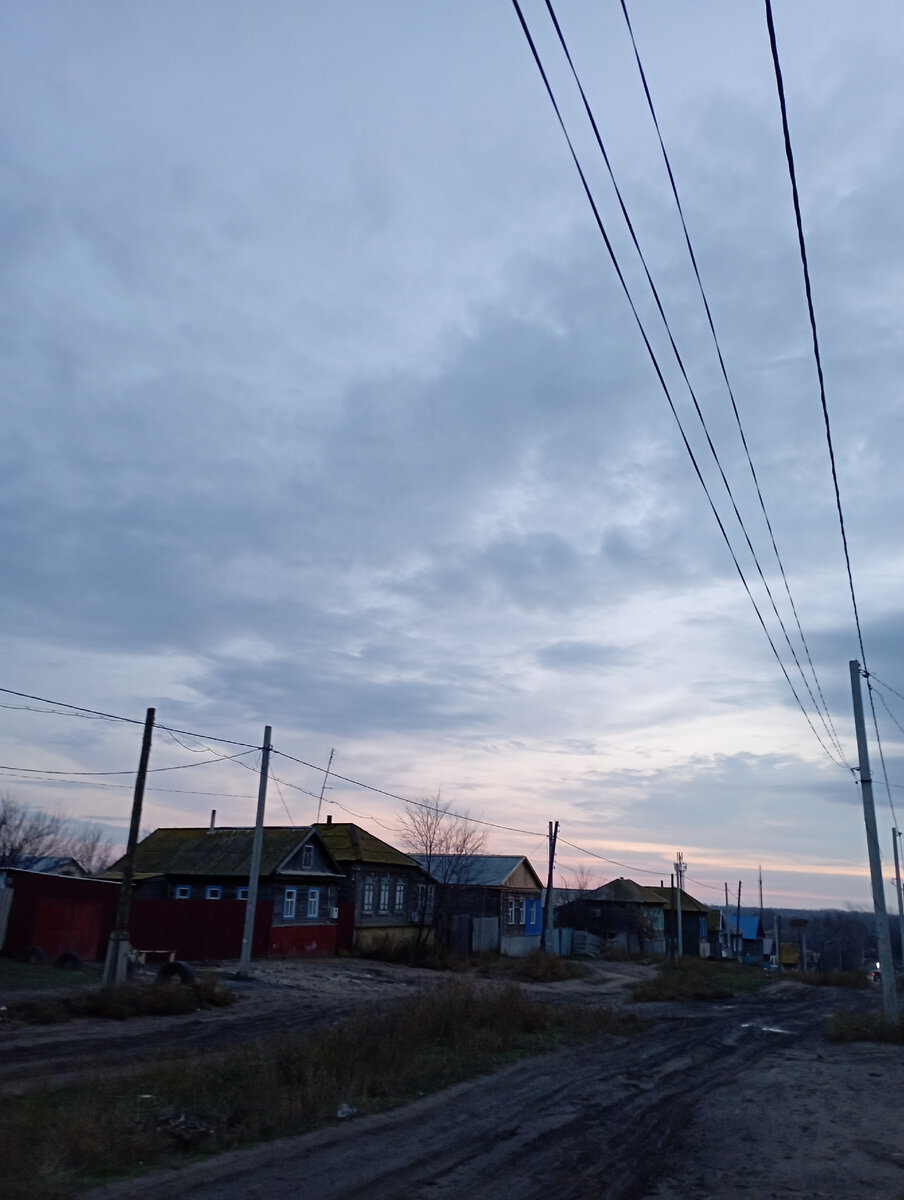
(241,893)
(384,894)
(288,904)
(399,904)
(515,910)
(313,902)
(213,892)
(368,900)
(307,857)
(182,892)
(425,897)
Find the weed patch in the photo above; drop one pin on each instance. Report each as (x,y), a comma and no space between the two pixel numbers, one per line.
(847,1026)
(857,980)
(124,1001)
(53,1142)
(698,979)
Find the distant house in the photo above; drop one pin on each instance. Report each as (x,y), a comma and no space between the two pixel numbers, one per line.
(745,940)
(486,902)
(191,889)
(383,892)
(46,864)
(696,922)
(622,914)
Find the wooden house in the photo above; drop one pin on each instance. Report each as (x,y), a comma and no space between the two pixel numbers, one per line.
(191,888)
(485,902)
(696,922)
(383,894)
(623,914)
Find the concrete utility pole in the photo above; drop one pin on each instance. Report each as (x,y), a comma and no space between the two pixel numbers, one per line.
(895,835)
(117,960)
(547,907)
(740,939)
(248,937)
(680,867)
(883,935)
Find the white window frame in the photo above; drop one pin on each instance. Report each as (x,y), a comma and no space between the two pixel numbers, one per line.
(313,903)
(367,898)
(399,902)
(307,857)
(213,891)
(384,894)
(290,898)
(516,910)
(182,891)
(241,893)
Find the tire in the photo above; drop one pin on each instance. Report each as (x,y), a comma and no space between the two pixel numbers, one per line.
(34,954)
(68,961)
(176,972)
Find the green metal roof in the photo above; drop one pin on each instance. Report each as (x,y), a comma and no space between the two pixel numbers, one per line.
(211,852)
(688,903)
(348,842)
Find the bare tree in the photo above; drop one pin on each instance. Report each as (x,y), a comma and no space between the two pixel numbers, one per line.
(29,833)
(444,843)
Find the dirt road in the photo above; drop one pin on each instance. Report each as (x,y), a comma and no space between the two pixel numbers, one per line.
(720,1100)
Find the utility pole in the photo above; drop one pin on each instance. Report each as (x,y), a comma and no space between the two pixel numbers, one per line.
(760,869)
(326,775)
(117,960)
(883,936)
(672,940)
(740,939)
(680,867)
(547,908)
(895,835)
(248,937)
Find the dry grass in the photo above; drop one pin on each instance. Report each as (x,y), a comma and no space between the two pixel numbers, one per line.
(700,979)
(857,980)
(847,1026)
(52,1143)
(536,967)
(124,1001)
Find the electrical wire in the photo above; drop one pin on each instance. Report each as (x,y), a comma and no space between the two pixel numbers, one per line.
(78,710)
(823,706)
(789,155)
(661,378)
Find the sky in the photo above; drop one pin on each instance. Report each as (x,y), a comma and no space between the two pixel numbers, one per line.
(324,409)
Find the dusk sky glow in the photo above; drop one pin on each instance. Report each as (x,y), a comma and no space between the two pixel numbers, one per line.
(324,409)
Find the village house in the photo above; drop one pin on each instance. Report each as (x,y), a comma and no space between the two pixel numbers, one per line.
(622,915)
(384,896)
(191,889)
(485,902)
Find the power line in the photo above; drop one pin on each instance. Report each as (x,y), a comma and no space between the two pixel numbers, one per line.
(658,370)
(826,719)
(78,710)
(789,155)
(157,770)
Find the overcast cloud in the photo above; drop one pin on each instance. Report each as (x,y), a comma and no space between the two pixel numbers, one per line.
(324,409)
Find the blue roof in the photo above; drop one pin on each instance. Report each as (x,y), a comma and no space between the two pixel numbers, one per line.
(478,870)
(750,927)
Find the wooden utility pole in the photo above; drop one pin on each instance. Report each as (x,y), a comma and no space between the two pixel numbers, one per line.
(547,907)
(883,935)
(117,960)
(326,775)
(248,937)
(740,939)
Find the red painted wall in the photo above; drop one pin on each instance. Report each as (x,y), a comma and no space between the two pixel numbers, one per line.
(298,941)
(60,914)
(198,930)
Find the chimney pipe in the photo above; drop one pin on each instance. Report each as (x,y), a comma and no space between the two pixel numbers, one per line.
(329,818)
(213,820)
